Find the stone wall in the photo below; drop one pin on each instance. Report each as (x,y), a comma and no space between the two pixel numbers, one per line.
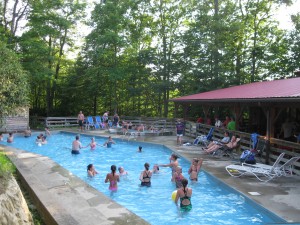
(13,207)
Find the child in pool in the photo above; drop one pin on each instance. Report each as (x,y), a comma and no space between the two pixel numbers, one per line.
(113,179)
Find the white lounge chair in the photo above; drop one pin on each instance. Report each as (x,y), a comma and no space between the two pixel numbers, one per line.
(261,173)
(285,169)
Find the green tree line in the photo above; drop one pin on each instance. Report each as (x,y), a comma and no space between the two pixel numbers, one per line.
(141,54)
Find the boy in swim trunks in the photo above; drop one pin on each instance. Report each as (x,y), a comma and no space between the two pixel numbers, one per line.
(80,120)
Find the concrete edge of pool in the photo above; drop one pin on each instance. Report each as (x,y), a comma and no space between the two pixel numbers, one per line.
(279,197)
(62,198)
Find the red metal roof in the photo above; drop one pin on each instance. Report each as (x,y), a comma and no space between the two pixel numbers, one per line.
(277,89)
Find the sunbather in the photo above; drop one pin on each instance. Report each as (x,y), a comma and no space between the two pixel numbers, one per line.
(222,142)
(232,144)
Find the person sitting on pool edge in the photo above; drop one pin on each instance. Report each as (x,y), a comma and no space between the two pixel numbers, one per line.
(145,176)
(184,194)
(91,170)
(113,179)
(76,145)
(109,142)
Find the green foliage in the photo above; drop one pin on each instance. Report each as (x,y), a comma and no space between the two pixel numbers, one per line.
(140,54)
(13,82)
(5,165)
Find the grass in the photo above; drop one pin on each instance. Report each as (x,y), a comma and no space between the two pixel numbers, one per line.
(6,170)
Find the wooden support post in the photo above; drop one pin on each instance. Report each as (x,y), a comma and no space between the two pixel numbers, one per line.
(176,110)
(267,110)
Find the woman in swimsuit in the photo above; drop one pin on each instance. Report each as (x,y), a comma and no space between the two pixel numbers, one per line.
(145,176)
(91,170)
(185,195)
(113,179)
(173,163)
(93,144)
(178,177)
(109,142)
(195,169)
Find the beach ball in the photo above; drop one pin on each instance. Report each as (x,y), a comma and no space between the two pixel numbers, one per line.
(173,196)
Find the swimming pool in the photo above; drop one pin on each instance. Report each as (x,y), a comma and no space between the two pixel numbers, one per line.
(213,202)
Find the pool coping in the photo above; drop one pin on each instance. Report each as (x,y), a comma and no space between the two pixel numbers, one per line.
(63,198)
(71,186)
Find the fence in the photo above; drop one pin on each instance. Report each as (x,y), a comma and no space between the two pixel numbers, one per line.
(277,146)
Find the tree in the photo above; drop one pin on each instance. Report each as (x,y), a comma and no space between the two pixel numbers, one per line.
(13,82)
(50,28)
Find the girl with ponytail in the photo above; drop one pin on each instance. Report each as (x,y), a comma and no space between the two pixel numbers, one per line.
(113,179)
(184,194)
(145,176)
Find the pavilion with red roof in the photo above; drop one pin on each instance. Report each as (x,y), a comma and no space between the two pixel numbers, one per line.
(269,97)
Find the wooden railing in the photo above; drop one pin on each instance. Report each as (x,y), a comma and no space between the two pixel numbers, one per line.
(277,146)
(15,124)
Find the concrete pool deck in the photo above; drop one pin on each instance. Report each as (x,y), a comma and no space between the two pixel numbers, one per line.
(65,199)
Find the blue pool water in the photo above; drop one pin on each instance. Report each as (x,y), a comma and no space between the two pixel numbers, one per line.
(213,202)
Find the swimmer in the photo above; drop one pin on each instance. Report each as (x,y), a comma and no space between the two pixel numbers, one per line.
(178,177)
(91,170)
(44,141)
(140,149)
(113,179)
(1,137)
(195,169)
(184,194)
(47,131)
(27,133)
(38,140)
(109,142)
(93,144)
(122,172)
(173,162)
(76,145)
(155,169)
(145,176)
(10,138)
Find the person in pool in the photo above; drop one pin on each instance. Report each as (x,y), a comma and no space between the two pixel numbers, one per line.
(145,176)
(91,170)
(195,169)
(27,132)
(93,144)
(173,163)
(140,149)
(122,172)
(76,145)
(10,138)
(113,178)
(184,194)
(155,169)
(178,177)
(109,142)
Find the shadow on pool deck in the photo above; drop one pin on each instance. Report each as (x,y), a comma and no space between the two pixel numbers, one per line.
(64,199)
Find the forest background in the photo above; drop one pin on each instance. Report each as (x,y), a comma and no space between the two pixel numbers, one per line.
(138,54)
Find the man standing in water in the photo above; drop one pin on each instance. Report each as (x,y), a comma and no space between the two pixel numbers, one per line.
(76,145)
(80,120)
